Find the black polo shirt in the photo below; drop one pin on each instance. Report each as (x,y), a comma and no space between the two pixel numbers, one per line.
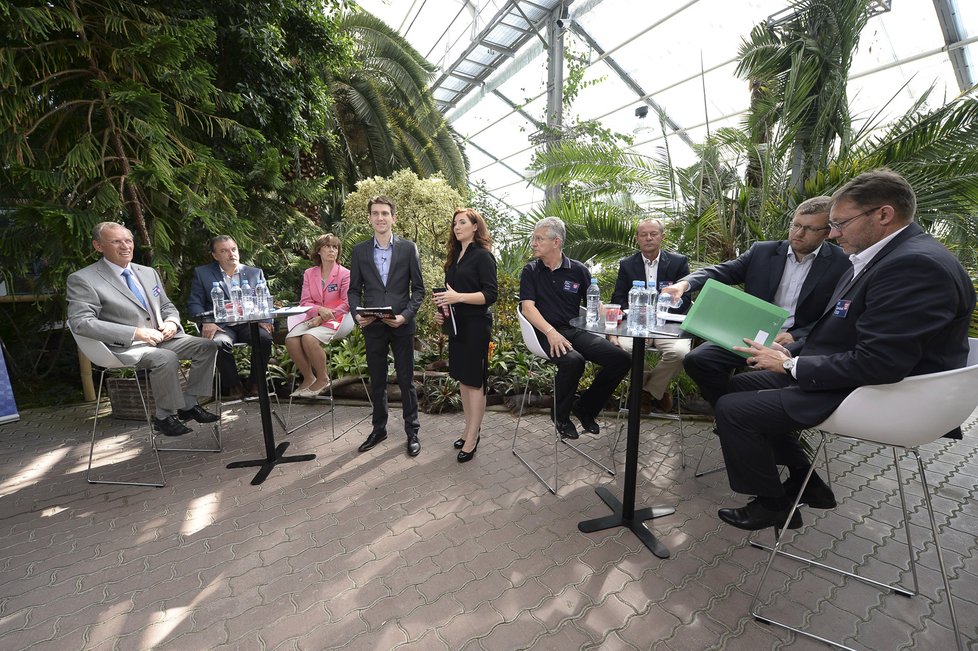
(558,294)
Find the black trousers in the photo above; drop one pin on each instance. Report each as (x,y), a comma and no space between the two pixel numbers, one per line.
(588,347)
(380,338)
(757,433)
(225,360)
(711,366)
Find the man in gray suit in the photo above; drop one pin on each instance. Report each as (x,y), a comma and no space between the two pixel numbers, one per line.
(385,271)
(124,305)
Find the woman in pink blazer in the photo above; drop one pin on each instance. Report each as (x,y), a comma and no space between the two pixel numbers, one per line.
(324,290)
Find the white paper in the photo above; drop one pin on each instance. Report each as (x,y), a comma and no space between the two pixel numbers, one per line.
(296,309)
(761,337)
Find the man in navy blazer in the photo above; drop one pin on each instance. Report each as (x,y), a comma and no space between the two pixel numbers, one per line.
(385,271)
(226,269)
(903,310)
(798,274)
(658,269)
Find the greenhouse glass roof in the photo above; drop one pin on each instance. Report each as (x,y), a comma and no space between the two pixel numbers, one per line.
(676,56)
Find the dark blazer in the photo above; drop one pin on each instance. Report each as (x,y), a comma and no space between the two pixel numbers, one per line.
(907,313)
(404,289)
(672,267)
(204,278)
(475,272)
(760,269)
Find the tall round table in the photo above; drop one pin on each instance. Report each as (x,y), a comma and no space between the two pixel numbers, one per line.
(624,513)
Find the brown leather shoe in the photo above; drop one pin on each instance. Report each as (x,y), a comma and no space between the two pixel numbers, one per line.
(647,403)
(665,402)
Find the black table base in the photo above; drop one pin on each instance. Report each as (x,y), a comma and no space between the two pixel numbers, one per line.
(273,454)
(267,464)
(636,523)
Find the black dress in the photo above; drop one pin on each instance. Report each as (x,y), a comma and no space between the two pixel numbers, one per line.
(468,351)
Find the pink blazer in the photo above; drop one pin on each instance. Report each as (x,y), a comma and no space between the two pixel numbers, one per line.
(333,295)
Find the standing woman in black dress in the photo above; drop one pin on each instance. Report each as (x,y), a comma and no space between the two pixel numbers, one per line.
(470,287)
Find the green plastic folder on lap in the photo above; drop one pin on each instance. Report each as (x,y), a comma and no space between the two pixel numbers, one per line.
(725,316)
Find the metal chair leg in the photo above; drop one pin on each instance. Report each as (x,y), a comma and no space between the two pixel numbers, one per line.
(152,439)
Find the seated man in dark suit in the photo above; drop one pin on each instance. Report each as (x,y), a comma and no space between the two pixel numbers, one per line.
(903,310)
(125,306)
(552,289)
(657,269)
(798,274)
(226,269)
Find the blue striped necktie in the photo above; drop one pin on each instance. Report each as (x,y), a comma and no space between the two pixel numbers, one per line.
(134,288)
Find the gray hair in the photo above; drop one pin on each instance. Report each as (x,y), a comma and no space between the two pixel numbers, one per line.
(651,220)
(555,228)
(101,226)
(814,206)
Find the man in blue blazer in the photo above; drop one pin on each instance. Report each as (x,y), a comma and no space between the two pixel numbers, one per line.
(904,309)
(798,274)
(226,269)
(385,271)
(658,269)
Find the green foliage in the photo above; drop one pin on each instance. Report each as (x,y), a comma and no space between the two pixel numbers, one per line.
(439,396)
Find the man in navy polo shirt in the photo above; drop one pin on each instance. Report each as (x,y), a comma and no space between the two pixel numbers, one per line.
(552,289)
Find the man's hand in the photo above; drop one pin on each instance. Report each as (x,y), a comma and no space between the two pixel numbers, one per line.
(267,327)
(784,338)
(676,290)
(149,336)
(769,358)
(364,321)
(396,322)
(614,339)
(558,344)
(209,330)
(168,329)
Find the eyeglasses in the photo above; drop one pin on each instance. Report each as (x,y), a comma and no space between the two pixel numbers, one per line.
(839,226)
(808,229)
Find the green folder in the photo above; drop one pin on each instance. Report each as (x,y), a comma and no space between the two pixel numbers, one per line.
(725,316)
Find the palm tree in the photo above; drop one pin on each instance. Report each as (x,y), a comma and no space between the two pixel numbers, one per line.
(384,117)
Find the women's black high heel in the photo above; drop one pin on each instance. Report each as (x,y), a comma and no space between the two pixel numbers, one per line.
(464,456)
(460,443)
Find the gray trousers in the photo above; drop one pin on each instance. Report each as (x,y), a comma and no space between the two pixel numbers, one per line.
(163,363)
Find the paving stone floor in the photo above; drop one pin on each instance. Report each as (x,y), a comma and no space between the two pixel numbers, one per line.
(382,551)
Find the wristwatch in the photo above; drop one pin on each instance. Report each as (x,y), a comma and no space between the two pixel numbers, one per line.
(789,364)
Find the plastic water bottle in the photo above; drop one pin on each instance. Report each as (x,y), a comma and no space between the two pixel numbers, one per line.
(635,325)
(665,303)
(593,302)
(247,300)
(263,299)
(217,299)
(648,316)
(237,299)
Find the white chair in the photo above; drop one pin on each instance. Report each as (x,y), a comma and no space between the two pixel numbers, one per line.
(533,344)
(346,327)
(904,415)
(103,358)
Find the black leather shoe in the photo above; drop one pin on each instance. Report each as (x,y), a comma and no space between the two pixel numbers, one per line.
(198,414)
(375,437)
(817,495)
(413,445)
(459,444)
(170,426)
(567,430)
(588,424)
(755,516)
(464,456)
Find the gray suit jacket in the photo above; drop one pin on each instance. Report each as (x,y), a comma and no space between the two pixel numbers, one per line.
(101,306)
(404,289)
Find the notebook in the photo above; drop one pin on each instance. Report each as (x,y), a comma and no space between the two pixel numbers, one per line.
(725,315)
